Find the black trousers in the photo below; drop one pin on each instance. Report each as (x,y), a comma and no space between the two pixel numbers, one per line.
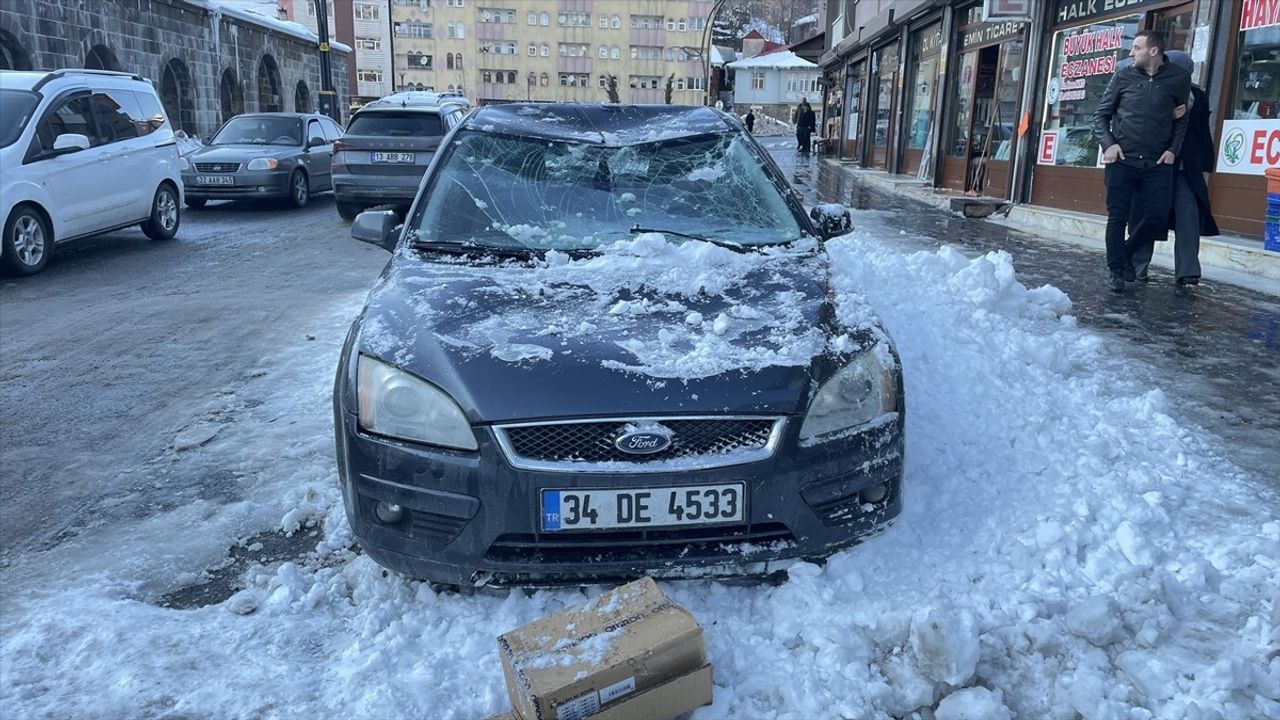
(1153,185)
(802,139)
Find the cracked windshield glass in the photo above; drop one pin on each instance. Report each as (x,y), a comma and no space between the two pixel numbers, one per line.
(533,193)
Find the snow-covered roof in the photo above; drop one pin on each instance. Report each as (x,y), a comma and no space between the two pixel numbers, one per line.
(722,55)
(261,13)
(785,60)
(806,20)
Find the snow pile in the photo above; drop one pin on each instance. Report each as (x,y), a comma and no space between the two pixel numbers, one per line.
(1067,550)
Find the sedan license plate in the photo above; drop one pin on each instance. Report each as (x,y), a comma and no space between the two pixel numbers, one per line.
(641,507)
(215,180)
(393,157)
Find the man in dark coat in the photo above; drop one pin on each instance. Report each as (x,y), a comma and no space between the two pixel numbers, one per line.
(1134,122)
(751,121)
(1192,217)
(806,123)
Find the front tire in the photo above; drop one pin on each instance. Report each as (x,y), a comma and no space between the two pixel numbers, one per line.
(28,242)
(166,215)
(299,189)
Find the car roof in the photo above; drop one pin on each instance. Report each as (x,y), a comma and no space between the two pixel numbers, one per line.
(600,124)
(294,115)
(417,100)
(35,80)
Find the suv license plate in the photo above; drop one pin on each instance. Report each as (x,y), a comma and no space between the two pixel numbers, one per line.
(215,180)
(393,157)
(642,507)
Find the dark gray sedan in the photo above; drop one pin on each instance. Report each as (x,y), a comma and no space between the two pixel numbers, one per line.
(606,345)
(263,156)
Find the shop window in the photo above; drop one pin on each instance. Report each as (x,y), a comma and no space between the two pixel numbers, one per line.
(1255,92)
(1084,59)
(923,86)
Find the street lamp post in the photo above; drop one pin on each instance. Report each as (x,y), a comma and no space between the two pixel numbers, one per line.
(707,38)
(328,97)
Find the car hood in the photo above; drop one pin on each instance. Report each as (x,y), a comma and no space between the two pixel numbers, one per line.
(645,327)
(241,153)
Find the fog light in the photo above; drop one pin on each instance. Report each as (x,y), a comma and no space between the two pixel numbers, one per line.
(388,513)
(875,494)
(262,188)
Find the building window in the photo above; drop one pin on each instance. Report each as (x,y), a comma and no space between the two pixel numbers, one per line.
(757,80)
(365,11)
(684,25)
(544,19)
(697,83)
(574,50)
(311,9)
(369,76)
(697,23)
(604,81)
(616,22)
(486,76)
(646,52)
(533,18)
(574,79)
(646,22)
(451,30)
(494,15)
(615,53)
(457,3)
(671,24)
(604,53)
(533,50)
(418,61)
(368,43)
(573,19)
(545,50)
(414,29)
(1083,61)
(544,80)
(679,83)
(604,22)
(645,82)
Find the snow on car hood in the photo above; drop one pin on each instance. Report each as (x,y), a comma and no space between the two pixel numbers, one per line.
(642,324)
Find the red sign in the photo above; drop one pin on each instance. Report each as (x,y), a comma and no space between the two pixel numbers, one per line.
(1006,10)
(1048,148)
(1260,14)
(1264,148)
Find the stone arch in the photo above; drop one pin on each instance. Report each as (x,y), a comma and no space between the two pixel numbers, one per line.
(12,55)
(101,57)
(177,94)
(230,95)
(301,97)
(269,85)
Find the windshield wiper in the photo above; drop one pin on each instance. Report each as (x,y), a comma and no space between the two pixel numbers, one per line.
(469,248)
(739,247)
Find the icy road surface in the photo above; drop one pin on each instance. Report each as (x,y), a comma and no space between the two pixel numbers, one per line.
(1067,550)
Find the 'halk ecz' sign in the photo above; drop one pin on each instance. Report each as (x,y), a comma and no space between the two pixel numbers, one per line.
(1249,147)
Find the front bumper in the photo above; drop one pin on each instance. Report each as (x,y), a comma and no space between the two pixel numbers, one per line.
(255,184)
(473,519)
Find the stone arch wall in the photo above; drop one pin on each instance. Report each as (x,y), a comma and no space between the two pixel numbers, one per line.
(302,97)
(13,56)
(177,93)
(230,94)
(144,36)
(269,85)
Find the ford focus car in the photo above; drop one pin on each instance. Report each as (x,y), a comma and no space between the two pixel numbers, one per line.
(606,345)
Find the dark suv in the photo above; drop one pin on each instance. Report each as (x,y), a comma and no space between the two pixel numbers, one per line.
(387,147)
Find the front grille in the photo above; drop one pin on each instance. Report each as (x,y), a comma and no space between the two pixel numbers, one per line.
(217,167)
(388,169)
(579,446)
(737,542)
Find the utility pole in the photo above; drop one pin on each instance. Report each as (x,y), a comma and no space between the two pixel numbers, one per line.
(708,38)
(328,97)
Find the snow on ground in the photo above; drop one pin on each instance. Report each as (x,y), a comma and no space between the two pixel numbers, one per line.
(1067,550)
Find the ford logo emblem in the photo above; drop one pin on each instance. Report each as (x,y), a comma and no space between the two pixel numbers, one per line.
(642,443)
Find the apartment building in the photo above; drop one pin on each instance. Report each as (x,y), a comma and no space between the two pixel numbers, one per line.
(365,25)
(507,50)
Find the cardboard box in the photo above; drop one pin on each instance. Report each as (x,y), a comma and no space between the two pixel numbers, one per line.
(630,653)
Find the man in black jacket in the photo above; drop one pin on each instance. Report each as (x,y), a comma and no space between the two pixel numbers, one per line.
(1141,139)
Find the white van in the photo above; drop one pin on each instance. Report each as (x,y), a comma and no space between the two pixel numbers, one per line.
(82,152)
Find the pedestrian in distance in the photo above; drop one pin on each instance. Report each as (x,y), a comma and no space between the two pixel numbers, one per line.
(806,123)
(1135,124)
(750,120)
(1192,216)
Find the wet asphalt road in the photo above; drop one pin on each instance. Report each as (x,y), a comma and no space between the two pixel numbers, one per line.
(1216,345)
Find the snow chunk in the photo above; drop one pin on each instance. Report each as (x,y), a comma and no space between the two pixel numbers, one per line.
(975,703)
(945,642)
(1096,620)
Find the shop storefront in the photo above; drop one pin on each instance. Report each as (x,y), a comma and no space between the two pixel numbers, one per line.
(924,77)
(1248,133)
(853,80)
(985,91)
(1088,42)
(883,107)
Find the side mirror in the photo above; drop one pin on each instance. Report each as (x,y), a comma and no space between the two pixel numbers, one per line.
(376,227)
(831,219)
(69,143)
(315,141)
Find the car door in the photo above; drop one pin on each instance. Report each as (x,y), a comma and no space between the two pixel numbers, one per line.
(126,151)
(319,157)
(81,182)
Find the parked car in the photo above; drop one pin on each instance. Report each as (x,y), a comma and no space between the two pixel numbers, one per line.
(606,345)
(67,139)
(387,147)
(263,155)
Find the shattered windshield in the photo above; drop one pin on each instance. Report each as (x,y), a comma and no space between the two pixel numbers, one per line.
(528,192)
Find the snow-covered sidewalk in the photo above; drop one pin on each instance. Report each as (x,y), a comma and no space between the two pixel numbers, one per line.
(1067,550)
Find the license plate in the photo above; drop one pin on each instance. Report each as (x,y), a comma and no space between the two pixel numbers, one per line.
(642,507)
(215,180)
(394,157)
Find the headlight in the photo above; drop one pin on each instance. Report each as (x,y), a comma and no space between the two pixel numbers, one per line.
(396,404)
(263,164)
(860,392)
(184,164)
